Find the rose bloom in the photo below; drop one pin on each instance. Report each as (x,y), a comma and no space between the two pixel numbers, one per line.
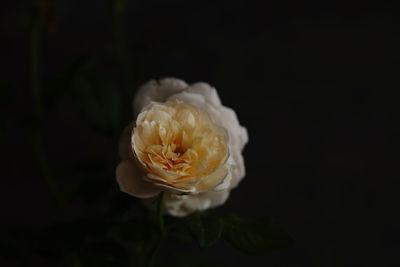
(183,142)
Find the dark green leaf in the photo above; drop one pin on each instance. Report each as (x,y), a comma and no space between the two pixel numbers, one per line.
(205,228)
(256,236)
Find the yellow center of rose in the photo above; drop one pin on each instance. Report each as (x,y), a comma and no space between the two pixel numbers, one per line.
(180,146)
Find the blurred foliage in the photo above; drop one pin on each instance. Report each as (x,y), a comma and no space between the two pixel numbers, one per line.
(206,229)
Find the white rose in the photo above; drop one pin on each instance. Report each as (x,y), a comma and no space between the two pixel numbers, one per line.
(184,142)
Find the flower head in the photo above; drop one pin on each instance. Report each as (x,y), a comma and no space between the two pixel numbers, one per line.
(183,142)
(180,147)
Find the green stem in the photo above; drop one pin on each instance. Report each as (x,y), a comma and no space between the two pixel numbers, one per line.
(160,216)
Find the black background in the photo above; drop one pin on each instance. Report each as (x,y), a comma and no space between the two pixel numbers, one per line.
(315,87)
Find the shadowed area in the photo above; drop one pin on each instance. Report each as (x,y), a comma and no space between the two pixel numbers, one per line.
(314,86)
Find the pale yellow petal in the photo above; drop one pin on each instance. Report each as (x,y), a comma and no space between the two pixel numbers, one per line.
(180,146)
(212,180)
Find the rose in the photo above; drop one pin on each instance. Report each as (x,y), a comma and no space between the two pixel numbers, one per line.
(183,142)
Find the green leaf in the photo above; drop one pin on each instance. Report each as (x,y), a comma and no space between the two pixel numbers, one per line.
(255,236)
(205,228)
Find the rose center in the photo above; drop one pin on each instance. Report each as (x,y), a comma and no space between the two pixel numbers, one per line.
(175,141)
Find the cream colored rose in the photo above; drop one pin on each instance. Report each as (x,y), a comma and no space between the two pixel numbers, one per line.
(184,142)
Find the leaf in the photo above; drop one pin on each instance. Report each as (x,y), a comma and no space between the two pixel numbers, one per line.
(256,236)
(205,228)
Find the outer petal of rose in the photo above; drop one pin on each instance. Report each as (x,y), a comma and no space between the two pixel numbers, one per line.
(161,182)
(238,138)
(214,179)
(184,205)
(130,180)
(193,99)
(209,93)
(218,180)
(156,91)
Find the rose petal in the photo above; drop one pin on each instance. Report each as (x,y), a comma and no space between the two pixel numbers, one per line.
(226,183)
(159,182)
(154,91)
(204,97)
(130,180)
(196,100)
(209,93)
(212,180)
(184,205)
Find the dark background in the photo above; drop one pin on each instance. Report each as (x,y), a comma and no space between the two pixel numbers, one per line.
(315,87)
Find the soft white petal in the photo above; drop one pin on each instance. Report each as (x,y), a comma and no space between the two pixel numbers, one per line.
(226,183)
(169,188)
(214,179)
(184,205)
(208,92)
(156,91)
(130,180)
(193,99)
